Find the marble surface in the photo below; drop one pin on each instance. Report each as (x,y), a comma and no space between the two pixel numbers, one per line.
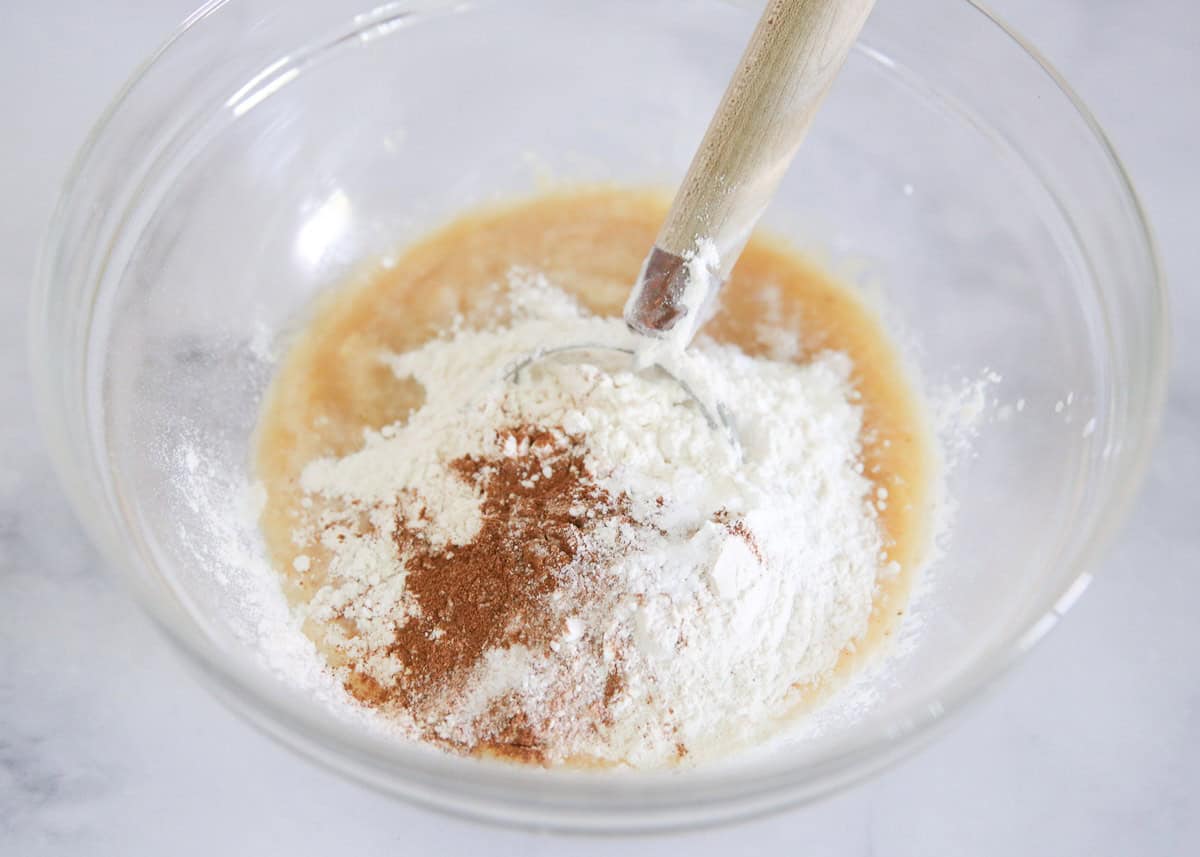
(1092,746)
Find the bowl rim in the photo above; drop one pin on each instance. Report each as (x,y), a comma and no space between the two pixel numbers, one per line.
(273,710)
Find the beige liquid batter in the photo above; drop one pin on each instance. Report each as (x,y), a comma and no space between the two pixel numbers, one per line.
(591,243)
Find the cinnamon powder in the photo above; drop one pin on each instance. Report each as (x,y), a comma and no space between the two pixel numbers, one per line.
(538,506)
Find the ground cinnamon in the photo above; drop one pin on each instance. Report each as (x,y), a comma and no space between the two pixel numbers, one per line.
(537,507)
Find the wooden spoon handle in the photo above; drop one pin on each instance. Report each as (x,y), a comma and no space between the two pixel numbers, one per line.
(796,51)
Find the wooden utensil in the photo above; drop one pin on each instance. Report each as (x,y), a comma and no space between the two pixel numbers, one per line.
(796,51)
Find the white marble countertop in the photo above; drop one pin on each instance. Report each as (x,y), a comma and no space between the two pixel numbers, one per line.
(107,747)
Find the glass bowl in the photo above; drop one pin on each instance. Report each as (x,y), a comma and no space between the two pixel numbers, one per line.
(271,148)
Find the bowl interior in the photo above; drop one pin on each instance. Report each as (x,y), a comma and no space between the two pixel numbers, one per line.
(316,141)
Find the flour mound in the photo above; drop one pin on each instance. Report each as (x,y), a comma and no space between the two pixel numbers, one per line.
(662,595)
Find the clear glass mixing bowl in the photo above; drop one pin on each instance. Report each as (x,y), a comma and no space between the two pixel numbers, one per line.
(271,146)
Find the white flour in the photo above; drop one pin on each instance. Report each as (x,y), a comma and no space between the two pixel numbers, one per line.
(729,586)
